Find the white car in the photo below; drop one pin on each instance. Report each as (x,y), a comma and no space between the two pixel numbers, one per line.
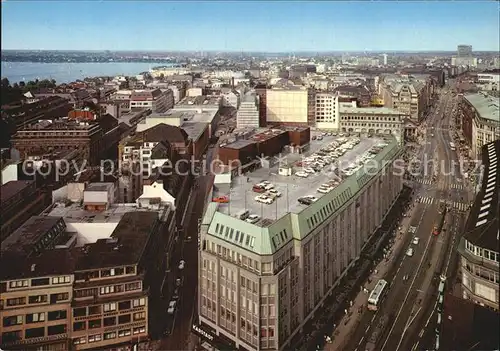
(416,240)
(324,190)
(309,170)
(252,219)
(171,307)
(302,174)
(274,192)
(264,199)
(182,264)
(409,252)
(312,198)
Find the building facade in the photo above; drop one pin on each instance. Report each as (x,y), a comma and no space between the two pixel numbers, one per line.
(248,112)
(157,100)
(372,120)
(479,115)
(290,105)
(478,248)
(326,111)
(258,285)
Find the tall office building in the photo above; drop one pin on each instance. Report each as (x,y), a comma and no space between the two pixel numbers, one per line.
(385,59)
(464,50)
(248,113)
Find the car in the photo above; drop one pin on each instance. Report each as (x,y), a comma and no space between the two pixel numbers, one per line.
(312,198)
(182,264)
(171,307)
(258,189)
(252,219)
(309,170)
(269,186)
(304,201)
(409,252)
(175,296)
(274,192)
(221,199)
(302,174)
(324,190)
(264,199)
(178,282)
(416,240)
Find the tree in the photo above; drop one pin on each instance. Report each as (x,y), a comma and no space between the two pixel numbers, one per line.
(5,83)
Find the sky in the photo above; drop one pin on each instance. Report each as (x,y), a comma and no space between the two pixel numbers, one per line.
(281,26)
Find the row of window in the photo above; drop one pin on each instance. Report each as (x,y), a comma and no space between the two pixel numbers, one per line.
(16,335)
(104,273)
(36,299)
(109,335)
(364,118)
(239,237)
(109,321)
(24,283)
(480,252)
(34,318)
(108,307)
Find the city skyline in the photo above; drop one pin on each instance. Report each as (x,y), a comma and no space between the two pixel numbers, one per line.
(250,26)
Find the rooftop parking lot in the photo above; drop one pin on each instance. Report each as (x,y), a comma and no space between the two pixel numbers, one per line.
(290,188)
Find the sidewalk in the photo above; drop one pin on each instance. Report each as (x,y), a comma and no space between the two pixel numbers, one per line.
(349,322)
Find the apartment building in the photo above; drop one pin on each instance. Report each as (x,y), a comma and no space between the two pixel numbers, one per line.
(110,301)
(230,97)
(478,247)
(479,115)
(248,112)
(36,286)
(260,283)
(156,100)
(373,120)
(327,111)
(409,94)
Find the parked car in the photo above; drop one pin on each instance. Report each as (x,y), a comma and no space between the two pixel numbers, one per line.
(274,192)
(258,189)
(252,219)
(221,199)
(264,199)
(182,264)
(305,201)
(302,174)
(416,240)
(409,252)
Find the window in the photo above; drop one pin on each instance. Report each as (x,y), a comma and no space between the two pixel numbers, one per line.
(108,307)
(124,305)
(56,329)
(54,298)
(61,280)
(77,326)
(35,317)
(133,286)
(111,335)
(139,302)
(130,270)
(79,341)
(95,338)
(95,323)
(104,290)
(80,312)
(34,333)
(109,321)
(124,332)
(18,284)
(40,282)
(37,299)
(56,315)
(138,316)
(139,330)
(123,319)
(12,320)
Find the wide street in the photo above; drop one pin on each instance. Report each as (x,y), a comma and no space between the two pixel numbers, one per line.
(409,304)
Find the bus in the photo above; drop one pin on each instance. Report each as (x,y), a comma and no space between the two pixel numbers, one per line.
(452,146)
(376,295)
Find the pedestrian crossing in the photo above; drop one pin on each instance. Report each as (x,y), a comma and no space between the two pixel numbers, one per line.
(459,206)
(458,186)
(425,181)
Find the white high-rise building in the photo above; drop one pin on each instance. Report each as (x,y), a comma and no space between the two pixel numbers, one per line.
(385,59)
(248,113)
(327,111)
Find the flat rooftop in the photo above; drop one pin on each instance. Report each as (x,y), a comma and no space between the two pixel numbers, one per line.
(13,187)
(75,213)
(125,246)
(194,130)
(292,187)
(371,110)
(487,106)
(26,236)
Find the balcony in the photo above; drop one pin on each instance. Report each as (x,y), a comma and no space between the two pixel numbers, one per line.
(44,339)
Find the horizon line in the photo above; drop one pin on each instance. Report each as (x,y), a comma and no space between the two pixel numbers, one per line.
(252,51)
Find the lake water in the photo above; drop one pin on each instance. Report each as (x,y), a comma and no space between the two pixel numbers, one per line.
(69,72)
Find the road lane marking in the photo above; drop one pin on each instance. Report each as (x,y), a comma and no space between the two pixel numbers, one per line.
(410,288)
